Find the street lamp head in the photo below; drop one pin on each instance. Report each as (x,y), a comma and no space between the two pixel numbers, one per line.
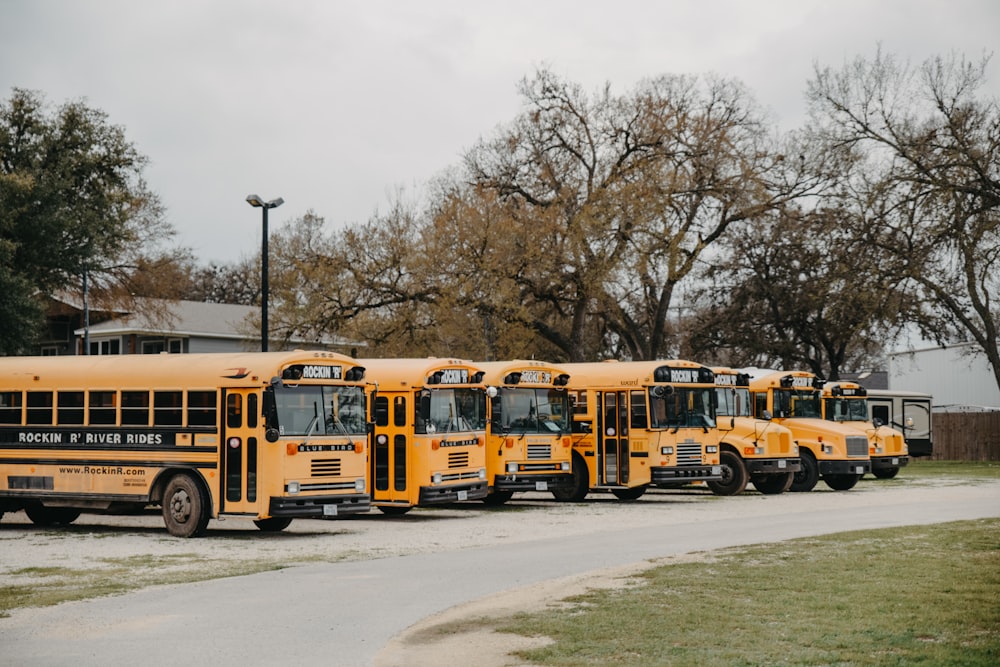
(256,201)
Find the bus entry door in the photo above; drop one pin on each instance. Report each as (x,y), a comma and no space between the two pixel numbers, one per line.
(240,452)
(612,449)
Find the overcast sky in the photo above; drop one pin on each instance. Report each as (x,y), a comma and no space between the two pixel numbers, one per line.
(334,105)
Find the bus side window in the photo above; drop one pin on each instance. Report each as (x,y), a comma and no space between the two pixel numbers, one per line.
(399,411)
(881,412)
(759,404)
(252,411)
(40,408)
(639,415)
(201,408)
(10,407)
(135,408)
(70,407)
(234,411)
(381,411)
(167,408)
(102,408)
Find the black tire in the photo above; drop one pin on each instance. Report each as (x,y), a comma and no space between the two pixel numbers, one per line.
(497,498)
(734,475)
(393,510)
(841,482)
(274,524)
(51,516)
(808,475)
(185,507)
(771,485)
(631,493)
(886,473)
(581,483)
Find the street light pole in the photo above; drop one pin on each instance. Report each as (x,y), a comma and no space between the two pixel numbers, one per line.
(257,202)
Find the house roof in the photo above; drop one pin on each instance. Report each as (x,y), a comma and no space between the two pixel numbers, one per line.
(182,318)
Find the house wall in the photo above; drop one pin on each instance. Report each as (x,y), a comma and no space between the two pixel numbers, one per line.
(957,375)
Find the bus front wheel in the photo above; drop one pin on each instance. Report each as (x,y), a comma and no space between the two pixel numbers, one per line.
(185,507)
(771,485)
(631,493)
(496,498)
(886,473)
(393,510)
(841,482)
(734,475)
(581,483)
(808,474)
(274,524)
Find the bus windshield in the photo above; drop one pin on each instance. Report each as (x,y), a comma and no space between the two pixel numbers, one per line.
(846,409)
(525,410)
(320,410)
(681,408)
(451,410)
(733,402)
(796,403)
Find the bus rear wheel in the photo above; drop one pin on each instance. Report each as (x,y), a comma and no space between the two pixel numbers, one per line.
(886,473)
(841,482)
(274,524)
(51,516)
(734,475)
(771,485)
(185,507)
(808,475)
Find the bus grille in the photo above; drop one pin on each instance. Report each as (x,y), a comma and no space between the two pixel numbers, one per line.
(857,445)
(458,459)
(689,454)
(539,452)
(326,468)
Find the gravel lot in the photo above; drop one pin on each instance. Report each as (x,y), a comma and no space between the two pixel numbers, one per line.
(94,542)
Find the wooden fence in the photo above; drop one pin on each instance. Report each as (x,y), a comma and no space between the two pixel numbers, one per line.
(966,436)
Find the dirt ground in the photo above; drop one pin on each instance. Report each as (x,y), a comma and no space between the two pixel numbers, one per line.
(95,542)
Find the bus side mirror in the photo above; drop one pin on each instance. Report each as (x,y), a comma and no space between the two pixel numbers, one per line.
(766,415)
(877,422)
(425,406)
(271,435)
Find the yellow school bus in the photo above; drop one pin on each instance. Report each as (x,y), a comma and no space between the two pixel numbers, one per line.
(269,436)
(834,452)
(638,424)
(751,450)
(847,403)
(528,443)
(429,440)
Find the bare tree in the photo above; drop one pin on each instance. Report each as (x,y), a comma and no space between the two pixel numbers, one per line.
(929,184)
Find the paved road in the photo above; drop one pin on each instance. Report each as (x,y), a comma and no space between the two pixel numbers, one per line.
(344,613)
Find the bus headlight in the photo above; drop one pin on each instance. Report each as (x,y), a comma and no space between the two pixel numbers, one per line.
(436,478)
(293,488)
(511,467)
(482,473)
(564,466)
(666,451)
(359,485)
(712,449)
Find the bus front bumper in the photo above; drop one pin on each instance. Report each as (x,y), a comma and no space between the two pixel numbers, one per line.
(889,462)
(319,507)
(845,467)
(521,482)
(679,476)
(437,495)
(772,466)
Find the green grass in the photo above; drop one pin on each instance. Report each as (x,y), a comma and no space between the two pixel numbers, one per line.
(927,595)
(926,468)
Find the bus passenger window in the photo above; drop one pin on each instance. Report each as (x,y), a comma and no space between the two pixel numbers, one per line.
(40,408)
(135,408)
(10,407)
(399,411)
(167,408)
(381,411)
(201,408)
(102,406)
(639,416)
(70,408)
